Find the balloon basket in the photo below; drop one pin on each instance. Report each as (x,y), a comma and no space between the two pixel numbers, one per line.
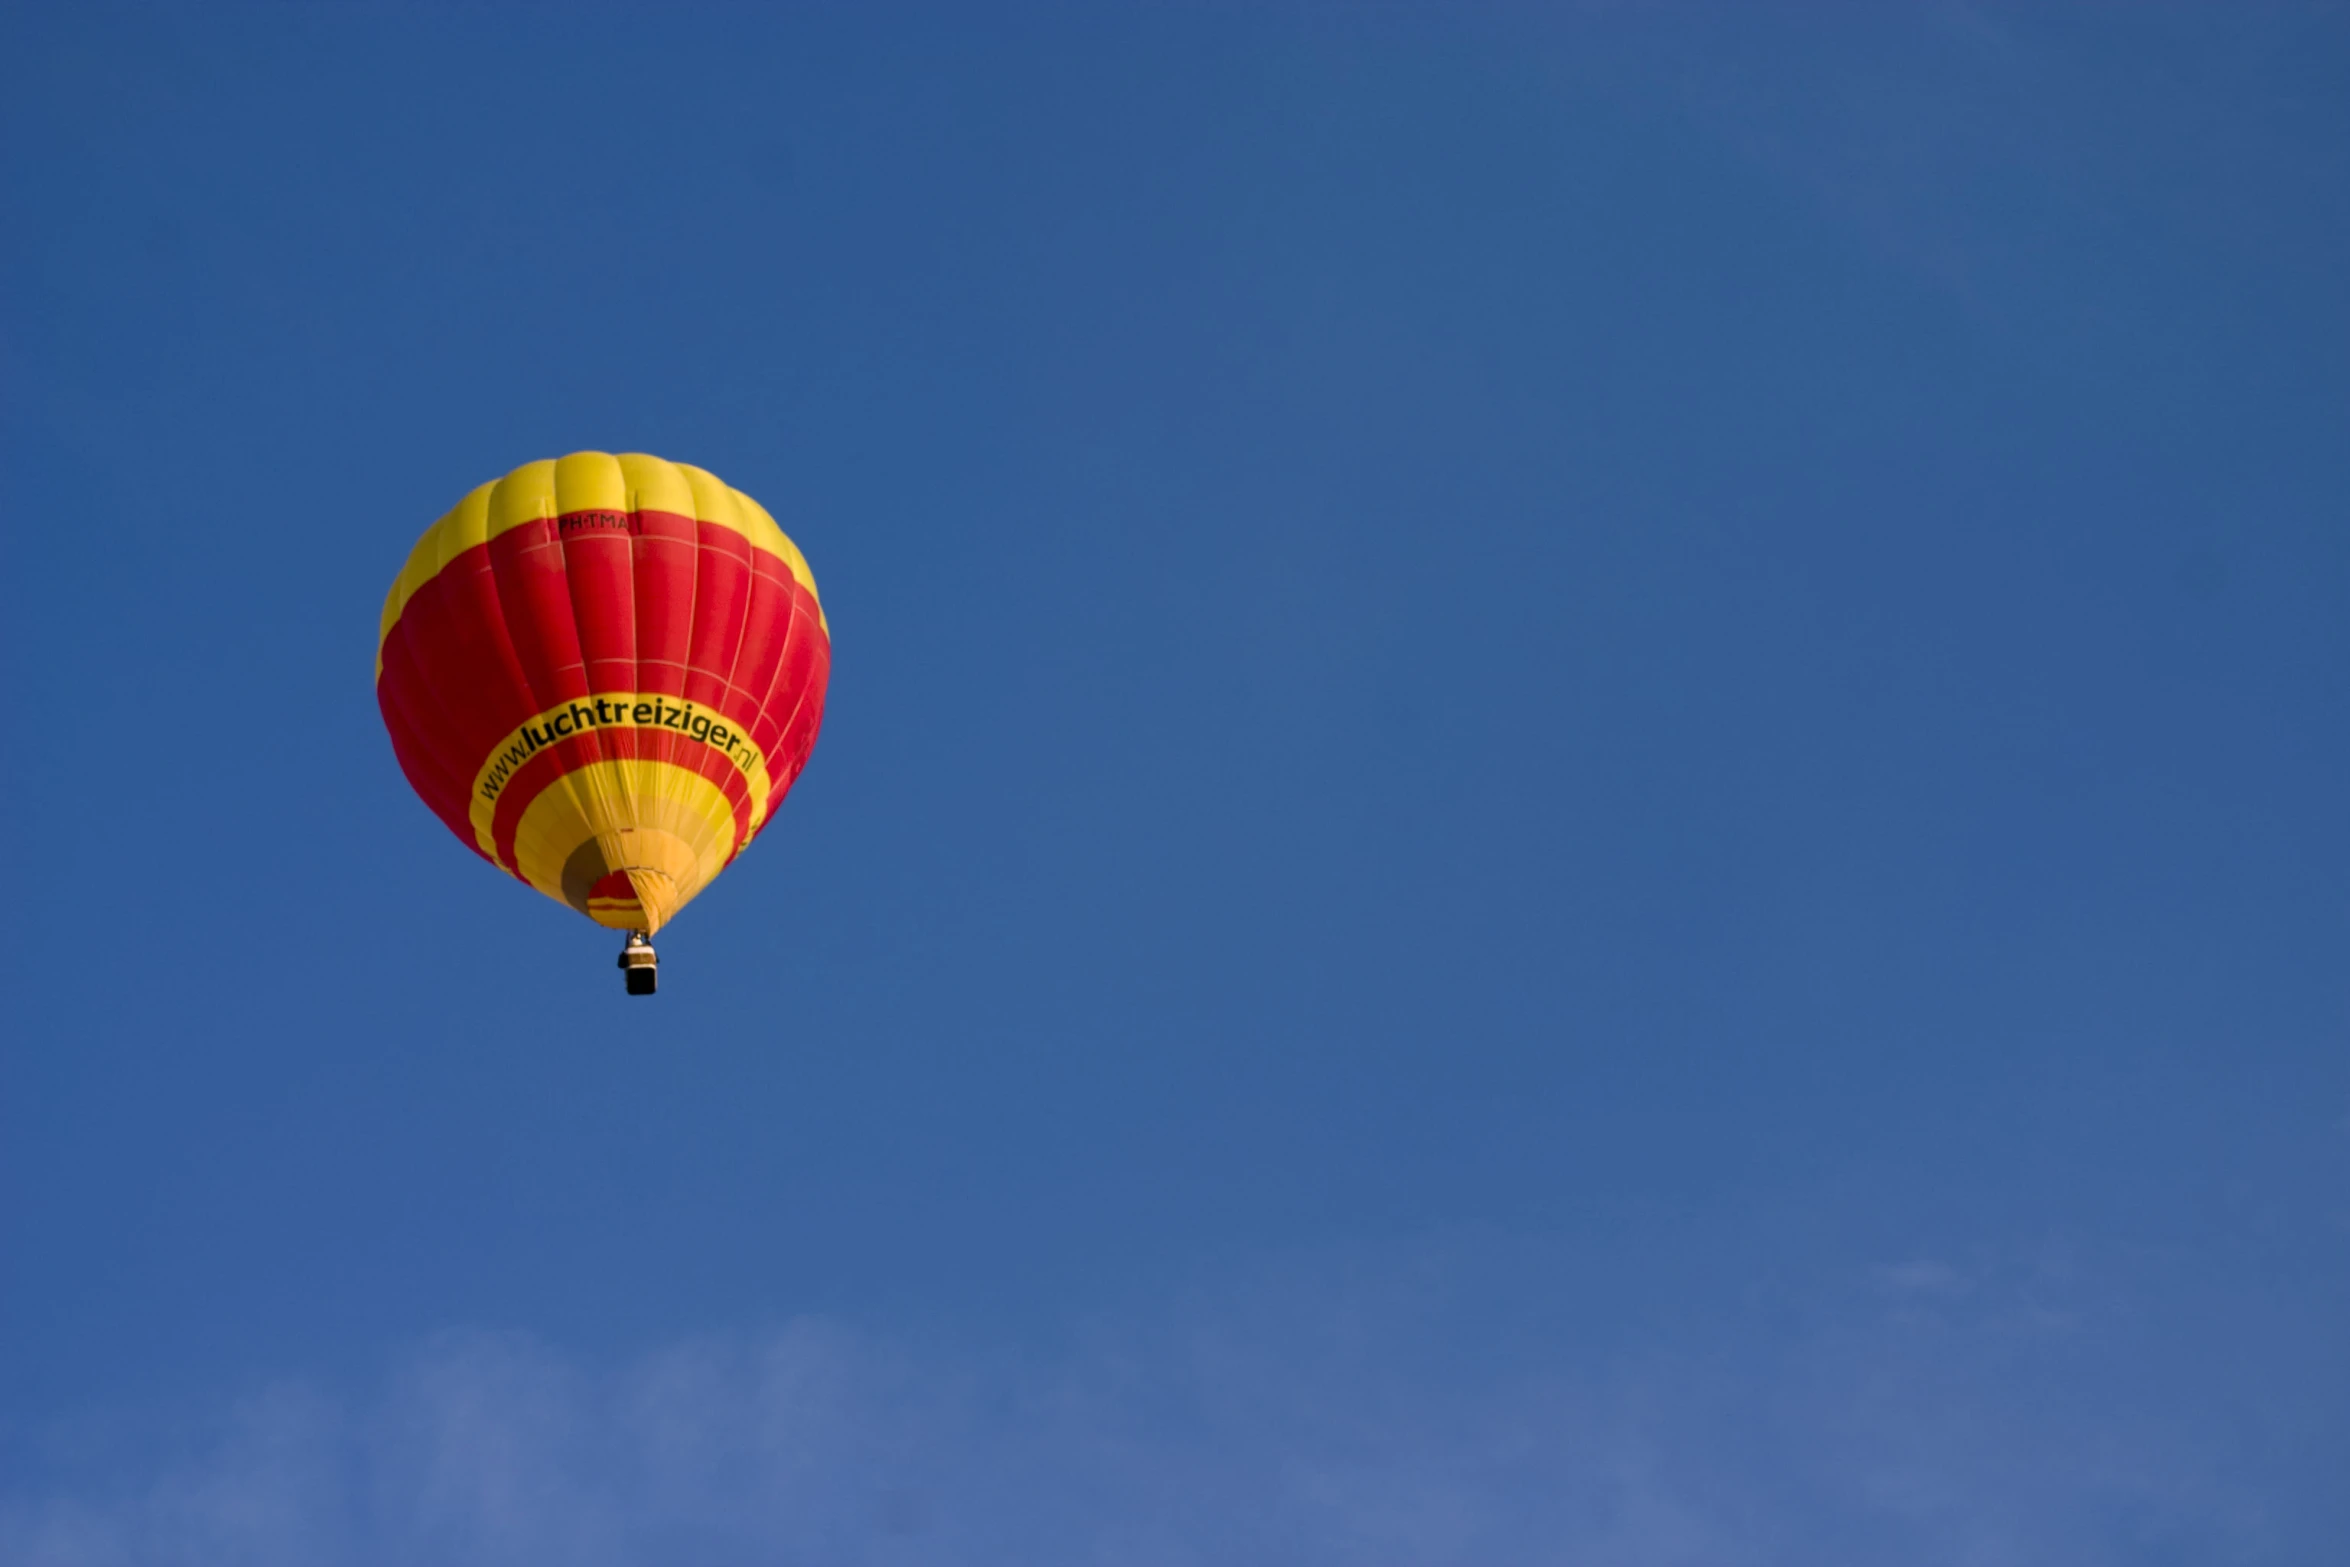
(640,964)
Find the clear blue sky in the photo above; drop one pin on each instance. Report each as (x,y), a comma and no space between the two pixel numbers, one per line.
(1586,796)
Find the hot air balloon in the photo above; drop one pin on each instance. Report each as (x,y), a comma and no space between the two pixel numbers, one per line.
(604,673)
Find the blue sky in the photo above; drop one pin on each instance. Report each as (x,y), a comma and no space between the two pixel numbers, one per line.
(1584,799)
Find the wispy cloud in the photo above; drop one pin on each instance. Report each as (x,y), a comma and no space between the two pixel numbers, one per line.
(1924,1413)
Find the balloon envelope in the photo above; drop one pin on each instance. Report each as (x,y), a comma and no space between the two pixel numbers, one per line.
(604,674)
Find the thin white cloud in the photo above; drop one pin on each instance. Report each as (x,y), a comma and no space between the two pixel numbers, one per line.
(1920,1276)
(1318,1421)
